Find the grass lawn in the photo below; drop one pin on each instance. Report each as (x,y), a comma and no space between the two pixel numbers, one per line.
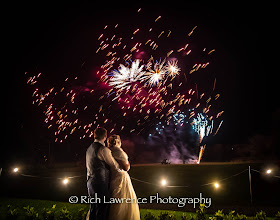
(232,191)
(73,208)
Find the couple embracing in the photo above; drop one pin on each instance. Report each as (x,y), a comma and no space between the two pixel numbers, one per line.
(107,178)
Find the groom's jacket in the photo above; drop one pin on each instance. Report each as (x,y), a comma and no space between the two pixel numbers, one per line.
(99,160)
(96,168)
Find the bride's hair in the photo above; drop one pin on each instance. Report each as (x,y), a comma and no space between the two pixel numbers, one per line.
(114,141)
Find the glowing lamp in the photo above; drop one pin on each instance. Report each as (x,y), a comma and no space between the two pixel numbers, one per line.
(163,182)
(15,170)
(268,171)
(65,181)
(217,185)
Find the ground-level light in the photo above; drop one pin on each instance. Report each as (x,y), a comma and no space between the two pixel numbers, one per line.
(65,181)
(163,182)
(217,185)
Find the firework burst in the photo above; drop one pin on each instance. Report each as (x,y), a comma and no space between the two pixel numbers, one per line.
(122,90)
(124,77)
(172,68)
(201,125)
(156,74)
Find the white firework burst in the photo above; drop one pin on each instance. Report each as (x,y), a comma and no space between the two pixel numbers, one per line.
(172,68)
(124,77)
(155,75)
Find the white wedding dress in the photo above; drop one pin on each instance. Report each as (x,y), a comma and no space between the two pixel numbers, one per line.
(121,187)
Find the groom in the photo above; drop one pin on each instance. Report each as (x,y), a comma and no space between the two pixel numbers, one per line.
(99,161)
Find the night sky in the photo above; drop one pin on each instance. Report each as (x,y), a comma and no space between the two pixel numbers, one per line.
(59,39)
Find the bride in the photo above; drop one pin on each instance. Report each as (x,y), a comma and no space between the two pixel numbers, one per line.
(121,186)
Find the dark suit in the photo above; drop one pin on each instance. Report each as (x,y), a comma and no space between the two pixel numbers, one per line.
(98,180)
